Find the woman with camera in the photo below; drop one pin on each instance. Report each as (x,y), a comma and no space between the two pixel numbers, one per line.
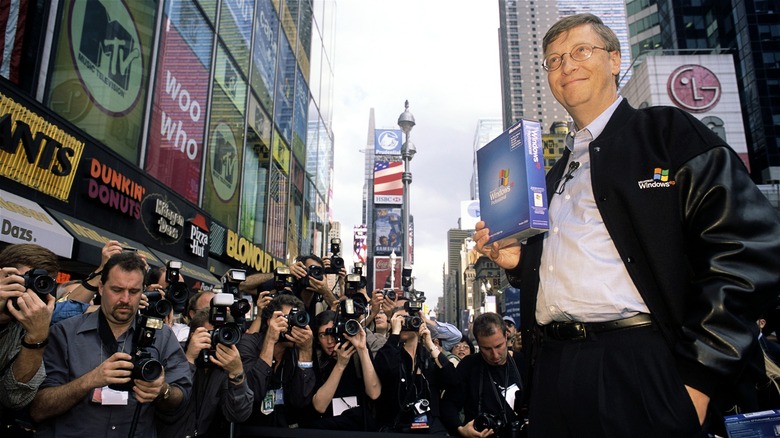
(345,382)
(413,372)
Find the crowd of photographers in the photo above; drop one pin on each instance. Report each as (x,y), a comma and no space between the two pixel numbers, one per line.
(130,351)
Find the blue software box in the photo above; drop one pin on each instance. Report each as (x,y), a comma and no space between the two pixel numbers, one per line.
(762,424)
(512,191)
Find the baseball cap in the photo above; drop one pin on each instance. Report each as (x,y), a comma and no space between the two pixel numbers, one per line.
(509,319)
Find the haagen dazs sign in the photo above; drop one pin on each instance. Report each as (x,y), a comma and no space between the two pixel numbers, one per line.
(162,218)
(106,50)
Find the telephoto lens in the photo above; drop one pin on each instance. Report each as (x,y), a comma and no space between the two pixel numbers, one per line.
(411,323)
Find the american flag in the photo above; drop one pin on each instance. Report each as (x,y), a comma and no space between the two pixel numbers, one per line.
(13,19)
(388,187)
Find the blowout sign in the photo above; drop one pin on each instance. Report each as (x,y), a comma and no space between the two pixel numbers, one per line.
(114,189)
(246,252)
(175,150)
(36,153)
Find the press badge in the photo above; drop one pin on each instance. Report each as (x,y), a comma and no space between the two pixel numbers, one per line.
(420,422)
(510,393)
(268,402)
(109,397)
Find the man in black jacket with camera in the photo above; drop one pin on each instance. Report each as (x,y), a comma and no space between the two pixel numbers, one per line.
(486,386)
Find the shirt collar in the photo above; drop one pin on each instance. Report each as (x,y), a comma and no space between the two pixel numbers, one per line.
(596,127)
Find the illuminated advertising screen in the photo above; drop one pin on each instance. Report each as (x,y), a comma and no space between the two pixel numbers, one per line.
(285,84)
(176,142)
(264,53)
(236,29)
(382,269)
(387,231)
(100,70)
(360,246)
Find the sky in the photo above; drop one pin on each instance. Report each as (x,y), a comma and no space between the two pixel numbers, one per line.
(441,55)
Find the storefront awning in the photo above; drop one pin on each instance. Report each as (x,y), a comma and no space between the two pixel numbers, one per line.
(24,221)
(188,270)
(92,239)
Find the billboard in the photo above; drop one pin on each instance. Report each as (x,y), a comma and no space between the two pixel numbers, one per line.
(360,247)
(382,268)
(387,231)
(387,141)
(388,186)
(175,148)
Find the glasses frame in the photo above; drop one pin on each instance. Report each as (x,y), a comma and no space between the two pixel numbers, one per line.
(546,65)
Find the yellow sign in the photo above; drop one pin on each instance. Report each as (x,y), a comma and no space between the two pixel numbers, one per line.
(246,252)
(36,153)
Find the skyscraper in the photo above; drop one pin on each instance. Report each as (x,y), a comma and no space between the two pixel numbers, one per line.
(523,23)
(750,30)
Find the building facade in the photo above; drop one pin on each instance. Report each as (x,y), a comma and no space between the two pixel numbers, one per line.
(192,130)
(749,31)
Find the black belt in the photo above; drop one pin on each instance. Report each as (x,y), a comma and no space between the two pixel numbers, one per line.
(573,330)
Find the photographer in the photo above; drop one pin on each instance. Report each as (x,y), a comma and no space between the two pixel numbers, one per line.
(413,372)
(24,322)
(487,385)
(341,385)
(219,384)
(90,355)
(310,284)
(170,284)
(278,363)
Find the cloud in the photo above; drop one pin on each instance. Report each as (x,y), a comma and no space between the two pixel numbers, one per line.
(443,57)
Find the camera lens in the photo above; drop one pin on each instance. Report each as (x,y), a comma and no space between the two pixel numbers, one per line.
(227,335)
(147,369)
(316,272)
(44,285)
(352,327)
(301,318)
(390,295)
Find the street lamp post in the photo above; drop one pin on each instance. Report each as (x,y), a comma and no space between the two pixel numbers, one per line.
(406,122)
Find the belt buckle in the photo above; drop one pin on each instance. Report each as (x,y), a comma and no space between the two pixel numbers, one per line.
(581,332)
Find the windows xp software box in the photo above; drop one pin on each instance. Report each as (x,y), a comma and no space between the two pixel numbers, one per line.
(512,191)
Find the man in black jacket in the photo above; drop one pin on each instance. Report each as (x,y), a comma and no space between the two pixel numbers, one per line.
(486,385)
(413,372)
(640,302)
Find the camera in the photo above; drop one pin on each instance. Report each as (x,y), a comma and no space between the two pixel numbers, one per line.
(389,294)
(346,320)
(314,271)
(420,406)
(413,306)
(412,323)
(145,367)
(485,421)
(239,306)
(177,291)
(224,332)
(282,279)
(39,281)
(296,318)
(406,279)
(158,306)
(336,262)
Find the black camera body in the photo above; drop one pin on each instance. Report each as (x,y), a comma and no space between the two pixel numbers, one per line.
(314,271)
(296,318)
(413,321)
(389,294)
(158,306)
(145,367)
(347,320)
(224,332)
(177,291)
(40,282)
(501,428)
(336,262)
(283,279)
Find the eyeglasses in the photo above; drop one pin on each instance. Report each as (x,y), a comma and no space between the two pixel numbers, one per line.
(579,53)
(561,183)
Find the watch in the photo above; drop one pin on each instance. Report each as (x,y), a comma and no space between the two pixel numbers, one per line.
(165,394)
(238,379)
(34,346)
